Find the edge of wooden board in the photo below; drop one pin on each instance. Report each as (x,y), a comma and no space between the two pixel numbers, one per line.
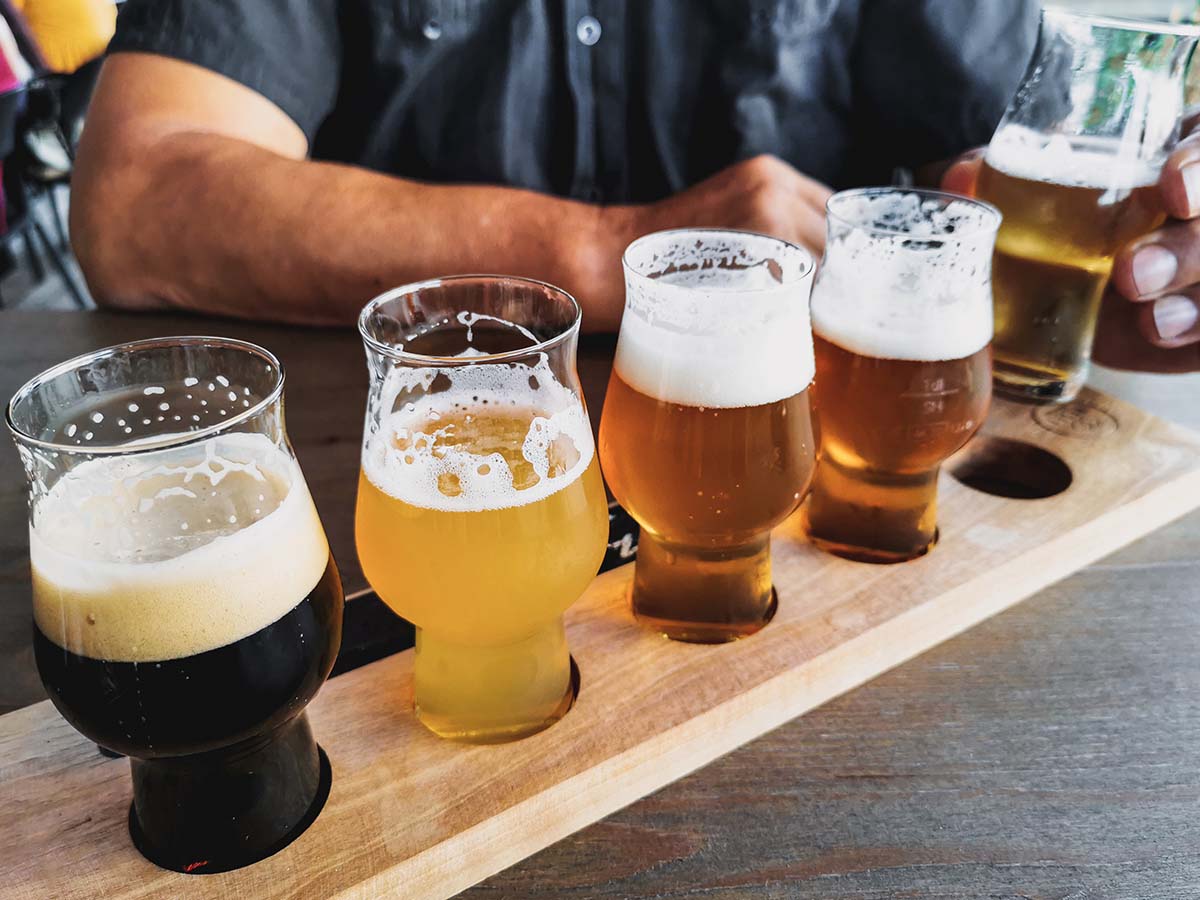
(845,624)
(618,781)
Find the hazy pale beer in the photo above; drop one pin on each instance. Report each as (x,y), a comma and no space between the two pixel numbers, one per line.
(707,437)
(902,321)
(186,605)
(1066,215)
(1074,166)
(481,513)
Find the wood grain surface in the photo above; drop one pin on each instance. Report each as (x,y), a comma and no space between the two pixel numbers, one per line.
(848,811)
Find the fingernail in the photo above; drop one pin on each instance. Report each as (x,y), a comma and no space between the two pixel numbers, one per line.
(1191,187)
(1153,269)
(1174,316)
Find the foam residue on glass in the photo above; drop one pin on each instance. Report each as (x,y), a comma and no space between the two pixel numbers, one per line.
(470,319)
(167,553)
(906,276)
(149,412)
(716,319)
(476,437)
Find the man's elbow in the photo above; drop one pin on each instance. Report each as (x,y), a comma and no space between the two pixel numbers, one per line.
(103,256)
(104,238)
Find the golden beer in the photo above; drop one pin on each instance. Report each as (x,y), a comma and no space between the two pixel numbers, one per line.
(707,438)
(1063,225)
(886,427)
(487,588)
(902,321)
(481,512)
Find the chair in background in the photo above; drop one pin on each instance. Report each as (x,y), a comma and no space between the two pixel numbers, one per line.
(22,187)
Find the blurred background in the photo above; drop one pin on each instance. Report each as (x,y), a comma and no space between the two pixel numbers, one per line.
(50,55)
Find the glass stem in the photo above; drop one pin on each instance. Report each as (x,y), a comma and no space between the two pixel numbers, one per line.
(482,693)
(705,595)
(227,808)
(873,516)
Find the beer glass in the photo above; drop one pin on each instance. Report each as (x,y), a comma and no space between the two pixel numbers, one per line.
(1074,166)
(902,322)
(186,606)
(706,437)
(481,514)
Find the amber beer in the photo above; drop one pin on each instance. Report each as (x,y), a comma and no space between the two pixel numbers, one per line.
(902,322)
(886,427)
(707,437)
(707,485)
(1066,214)
(481,517)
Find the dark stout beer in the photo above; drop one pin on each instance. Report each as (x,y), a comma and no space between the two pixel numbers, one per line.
(186,610)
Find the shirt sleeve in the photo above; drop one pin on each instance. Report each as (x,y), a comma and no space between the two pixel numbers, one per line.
(931,78)
(289,51)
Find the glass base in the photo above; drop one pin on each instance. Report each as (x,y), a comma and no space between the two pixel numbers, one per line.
(491,694)
(694,633)
(703,595)
(503,734)
(872,517)
(870,554)
(1027,385)
(229,808)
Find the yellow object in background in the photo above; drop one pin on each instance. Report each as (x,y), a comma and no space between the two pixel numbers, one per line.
(70,33)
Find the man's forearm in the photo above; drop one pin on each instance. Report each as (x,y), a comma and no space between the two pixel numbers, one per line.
(210,223)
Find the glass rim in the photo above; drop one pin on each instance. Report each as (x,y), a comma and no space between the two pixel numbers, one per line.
(990,226)
(1123,23)
(147,445)
(806,256)
(393,352)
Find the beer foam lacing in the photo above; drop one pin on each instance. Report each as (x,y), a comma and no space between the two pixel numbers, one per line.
(166,554)
(716,319)
(405,457)
(905,277)
(1088,162)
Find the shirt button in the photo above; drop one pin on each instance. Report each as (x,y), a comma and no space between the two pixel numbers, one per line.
(588,31)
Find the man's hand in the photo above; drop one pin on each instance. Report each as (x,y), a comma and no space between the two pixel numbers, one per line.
(762,194)
(1159,331)
(1160,274)
(194,192)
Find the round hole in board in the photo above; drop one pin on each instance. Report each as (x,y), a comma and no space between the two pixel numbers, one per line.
(1006,468)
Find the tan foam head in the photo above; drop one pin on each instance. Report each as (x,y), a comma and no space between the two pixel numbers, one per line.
(161,555)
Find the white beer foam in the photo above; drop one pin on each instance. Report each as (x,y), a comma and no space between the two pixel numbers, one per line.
(486,483)
(1089,162)
(170,553)
(725,325)
(917,287)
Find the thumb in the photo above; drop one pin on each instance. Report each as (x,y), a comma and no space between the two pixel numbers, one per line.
(960,178)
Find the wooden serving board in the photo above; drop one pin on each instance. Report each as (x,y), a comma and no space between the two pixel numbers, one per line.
(411,816)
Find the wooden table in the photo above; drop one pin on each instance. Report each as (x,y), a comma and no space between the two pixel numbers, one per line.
(1049,753)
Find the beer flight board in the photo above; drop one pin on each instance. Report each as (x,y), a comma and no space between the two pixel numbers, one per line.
(412,816)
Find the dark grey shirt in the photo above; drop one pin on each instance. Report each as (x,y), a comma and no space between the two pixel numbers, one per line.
(612,100)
